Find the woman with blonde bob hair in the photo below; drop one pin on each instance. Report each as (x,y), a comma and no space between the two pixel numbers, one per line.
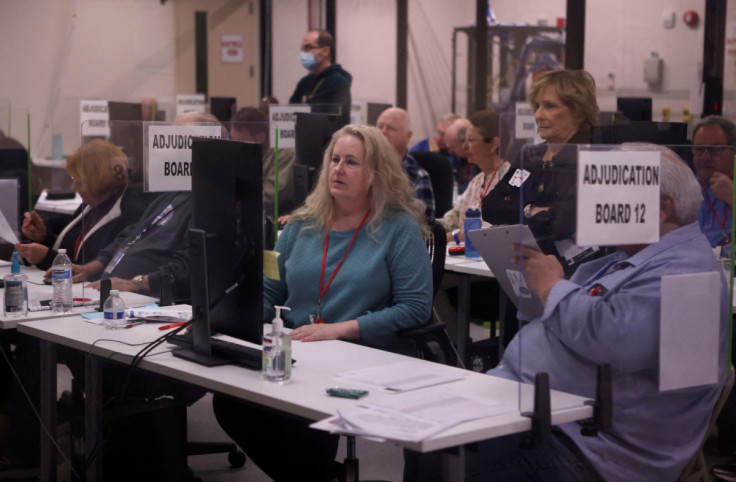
(99,175)
(352,266)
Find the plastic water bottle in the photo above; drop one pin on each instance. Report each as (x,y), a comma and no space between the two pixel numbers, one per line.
(277,351)
(16,291)
(472,222)
(114,308)
(61,280)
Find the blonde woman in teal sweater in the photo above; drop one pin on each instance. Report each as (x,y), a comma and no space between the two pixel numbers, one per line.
(353,266)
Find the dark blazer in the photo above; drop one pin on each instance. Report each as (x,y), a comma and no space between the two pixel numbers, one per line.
(126,210)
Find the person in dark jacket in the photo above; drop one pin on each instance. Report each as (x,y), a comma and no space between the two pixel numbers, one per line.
(99,174)
(539,189)
(326,83)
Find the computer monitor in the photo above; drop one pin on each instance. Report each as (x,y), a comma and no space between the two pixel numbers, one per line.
(226,244)
(125,111)
(635,108)
(223,107)
(374,111)
(670,134)
(313,135)
(662,133)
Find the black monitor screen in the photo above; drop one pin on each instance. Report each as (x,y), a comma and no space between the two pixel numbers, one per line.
(313,135)
(227,195)
(662,133)
(125,111)
(223,107)
(635,108)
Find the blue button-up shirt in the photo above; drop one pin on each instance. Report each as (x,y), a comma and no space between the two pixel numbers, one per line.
(654,433)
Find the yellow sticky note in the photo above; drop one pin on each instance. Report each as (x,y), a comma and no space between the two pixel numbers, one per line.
(271,265)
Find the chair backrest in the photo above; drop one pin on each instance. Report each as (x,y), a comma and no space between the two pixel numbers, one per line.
(442,177)
(436,242)
(696,468)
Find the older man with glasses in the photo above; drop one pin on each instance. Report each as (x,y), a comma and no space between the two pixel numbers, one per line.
(714,138)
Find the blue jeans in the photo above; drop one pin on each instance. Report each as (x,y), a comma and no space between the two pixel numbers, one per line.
(504,459)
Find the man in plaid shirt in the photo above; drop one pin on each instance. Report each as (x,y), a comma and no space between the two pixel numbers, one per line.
(394,124)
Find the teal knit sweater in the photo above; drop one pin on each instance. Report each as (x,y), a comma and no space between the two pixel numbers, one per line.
(385,282)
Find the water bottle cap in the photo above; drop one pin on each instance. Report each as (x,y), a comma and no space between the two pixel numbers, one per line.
(472,212)
(62,251)
(114,292)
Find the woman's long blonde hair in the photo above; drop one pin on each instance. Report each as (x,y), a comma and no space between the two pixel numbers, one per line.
(389,190)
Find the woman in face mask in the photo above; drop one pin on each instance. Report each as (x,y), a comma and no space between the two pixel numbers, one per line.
(327,83)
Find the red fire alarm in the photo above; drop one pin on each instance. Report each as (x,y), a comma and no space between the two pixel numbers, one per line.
(690,17)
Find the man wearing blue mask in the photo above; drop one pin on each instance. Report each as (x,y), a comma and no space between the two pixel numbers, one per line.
(326,83)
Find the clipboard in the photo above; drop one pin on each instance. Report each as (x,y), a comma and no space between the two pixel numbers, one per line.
(494,246)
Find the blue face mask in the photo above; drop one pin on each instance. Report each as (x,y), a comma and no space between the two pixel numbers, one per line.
(308,61)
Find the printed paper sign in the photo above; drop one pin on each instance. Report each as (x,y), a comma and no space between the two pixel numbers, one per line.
(169,155)
(232,49)
(190,103)
(526,126)
(284,118)
(94,118)
(618,198)
(357,112)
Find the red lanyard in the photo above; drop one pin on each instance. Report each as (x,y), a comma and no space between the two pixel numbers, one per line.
(322,287)
(487,189)
(722,224)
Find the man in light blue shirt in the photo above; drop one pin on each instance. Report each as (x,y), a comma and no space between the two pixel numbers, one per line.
(608,312)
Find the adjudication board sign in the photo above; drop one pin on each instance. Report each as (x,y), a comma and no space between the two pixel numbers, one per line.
(618,198)
(284,118)
(169,155)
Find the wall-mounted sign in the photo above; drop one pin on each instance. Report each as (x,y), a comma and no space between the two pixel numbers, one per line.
(232,49)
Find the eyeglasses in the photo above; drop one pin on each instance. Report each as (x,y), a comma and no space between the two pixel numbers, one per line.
(712,150)
(307,48)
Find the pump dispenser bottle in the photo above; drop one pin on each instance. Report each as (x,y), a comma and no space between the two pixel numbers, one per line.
(277,350)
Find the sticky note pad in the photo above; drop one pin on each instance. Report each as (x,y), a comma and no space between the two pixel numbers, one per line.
(271,265)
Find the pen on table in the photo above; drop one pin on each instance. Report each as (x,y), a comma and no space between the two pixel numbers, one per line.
(168,327)
(131,325)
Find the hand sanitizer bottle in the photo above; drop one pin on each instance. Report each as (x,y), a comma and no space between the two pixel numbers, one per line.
(16,291)
(277,350)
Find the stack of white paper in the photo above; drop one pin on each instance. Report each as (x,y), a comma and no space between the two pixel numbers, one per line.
(412,416)
(401,377)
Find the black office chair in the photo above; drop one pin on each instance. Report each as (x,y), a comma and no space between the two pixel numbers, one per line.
(442,177)
(431,339)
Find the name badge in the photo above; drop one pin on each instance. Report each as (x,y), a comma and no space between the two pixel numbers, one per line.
(520,175)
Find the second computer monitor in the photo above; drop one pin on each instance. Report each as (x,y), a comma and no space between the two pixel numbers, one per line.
(227,200)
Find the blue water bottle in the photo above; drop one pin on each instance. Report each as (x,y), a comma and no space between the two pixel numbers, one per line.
(472,222)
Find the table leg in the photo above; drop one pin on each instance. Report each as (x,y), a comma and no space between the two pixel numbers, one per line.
(93,416)
(463,317)
(453,464)
(48,410)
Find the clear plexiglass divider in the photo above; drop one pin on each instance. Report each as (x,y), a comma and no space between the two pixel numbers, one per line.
(133,183)
(16,183)
(602,256)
